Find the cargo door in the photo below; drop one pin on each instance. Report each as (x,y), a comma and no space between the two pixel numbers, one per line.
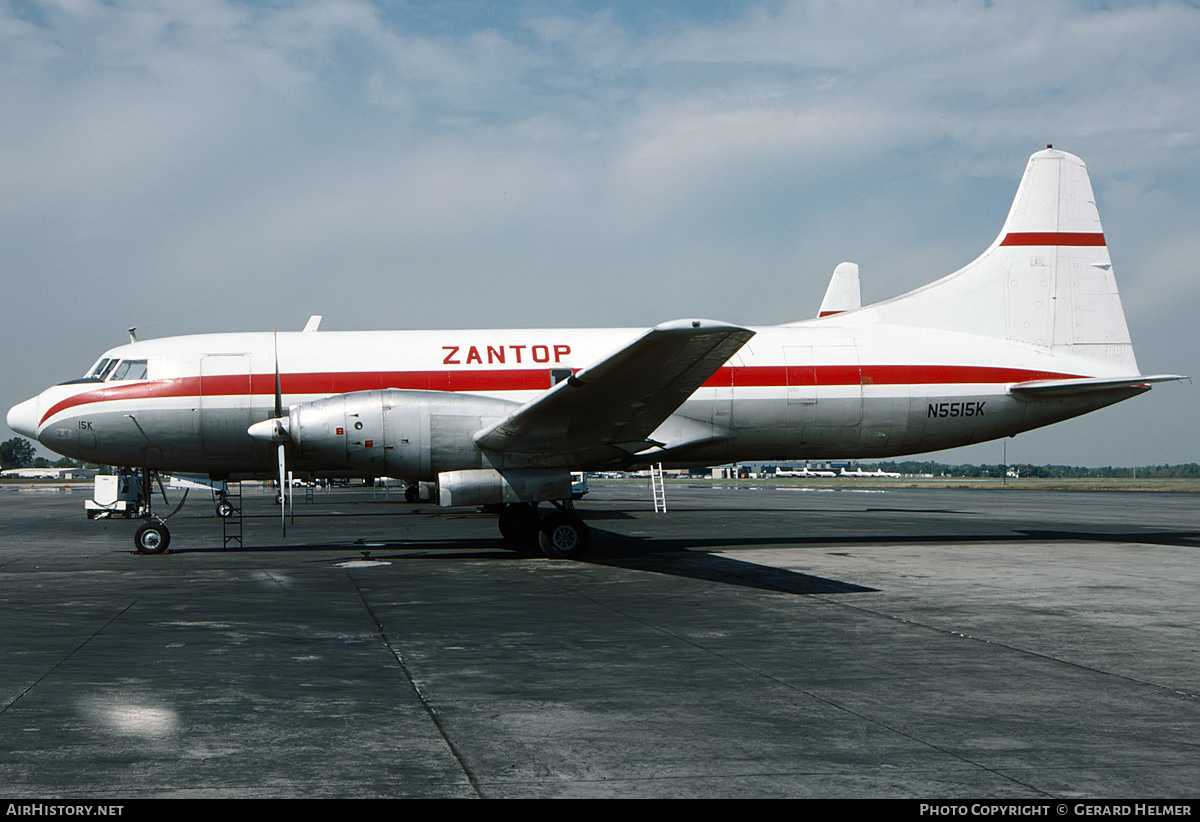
(226,409)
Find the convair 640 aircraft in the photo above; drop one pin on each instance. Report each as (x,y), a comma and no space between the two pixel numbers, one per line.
(1030,333)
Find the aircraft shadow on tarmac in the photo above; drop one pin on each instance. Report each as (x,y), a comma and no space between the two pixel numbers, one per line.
(700,559)
(703,565)
(671,557)
(697,558)
(1181,539)
(619,544)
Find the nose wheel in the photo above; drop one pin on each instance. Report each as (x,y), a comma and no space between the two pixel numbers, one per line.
(152,537)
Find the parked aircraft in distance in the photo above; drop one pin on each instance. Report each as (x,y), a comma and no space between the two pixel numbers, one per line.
(858,472)
(1030,333)
(804,472)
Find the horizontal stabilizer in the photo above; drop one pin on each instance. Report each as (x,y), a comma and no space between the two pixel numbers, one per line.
(1064,388)
(616,403)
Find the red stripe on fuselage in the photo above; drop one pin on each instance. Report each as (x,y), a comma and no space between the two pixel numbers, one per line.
(537,379)
(321,384)
(765,376)
(1068,238)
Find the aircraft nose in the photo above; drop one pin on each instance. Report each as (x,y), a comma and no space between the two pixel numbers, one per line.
(23,418)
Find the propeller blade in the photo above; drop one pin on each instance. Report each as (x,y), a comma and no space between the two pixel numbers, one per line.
(283,488)
(281,434)
(278,390)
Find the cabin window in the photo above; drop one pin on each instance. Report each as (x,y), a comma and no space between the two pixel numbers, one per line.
(130,370)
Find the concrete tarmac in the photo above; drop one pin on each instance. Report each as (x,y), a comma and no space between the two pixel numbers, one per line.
(769,641)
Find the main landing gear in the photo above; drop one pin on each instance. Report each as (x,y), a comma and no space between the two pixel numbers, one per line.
(559,533)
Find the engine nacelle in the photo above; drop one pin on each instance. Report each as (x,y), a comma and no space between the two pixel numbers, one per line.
(490,487)
(394,432)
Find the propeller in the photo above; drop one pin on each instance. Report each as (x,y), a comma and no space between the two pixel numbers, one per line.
(281,427)
(278,431)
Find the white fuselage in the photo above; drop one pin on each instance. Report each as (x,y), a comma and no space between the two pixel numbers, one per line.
(811,390)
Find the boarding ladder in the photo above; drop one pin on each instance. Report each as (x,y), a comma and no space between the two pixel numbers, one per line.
(658,488)
(231,516)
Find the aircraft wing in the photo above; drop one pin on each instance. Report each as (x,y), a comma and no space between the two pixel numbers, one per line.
(1060,388)
(612,406)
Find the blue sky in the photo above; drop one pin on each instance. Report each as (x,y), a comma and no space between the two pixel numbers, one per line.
(216,165)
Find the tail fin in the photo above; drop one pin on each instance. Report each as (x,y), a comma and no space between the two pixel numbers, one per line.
(1046,280)
(843,293)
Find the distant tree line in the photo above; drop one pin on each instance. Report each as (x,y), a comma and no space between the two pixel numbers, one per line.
(18,452)
(1190,470)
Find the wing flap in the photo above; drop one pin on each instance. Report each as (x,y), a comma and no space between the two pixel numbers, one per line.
(612,406)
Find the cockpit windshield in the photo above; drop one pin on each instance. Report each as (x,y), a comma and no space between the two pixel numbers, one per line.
(98,368)
(129,370)
(113,369)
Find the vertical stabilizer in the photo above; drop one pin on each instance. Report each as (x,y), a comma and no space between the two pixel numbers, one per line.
(843,293)
(1045,281)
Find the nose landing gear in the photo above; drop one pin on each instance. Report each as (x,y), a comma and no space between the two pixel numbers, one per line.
(152,537)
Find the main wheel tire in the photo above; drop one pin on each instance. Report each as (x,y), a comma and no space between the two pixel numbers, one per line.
(224,509)
(563,536)
(152,538)
(519,525)
(412,493)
